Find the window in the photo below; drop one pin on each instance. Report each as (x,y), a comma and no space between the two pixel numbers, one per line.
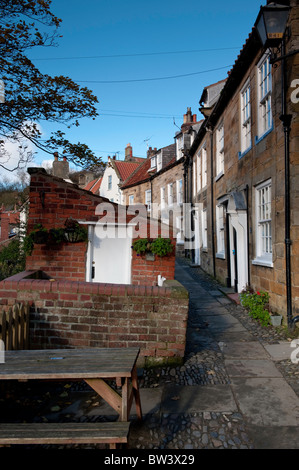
(264,96)
(263,224)
(194,182)
(220,150)
(204,167)
(110,182)
(163,202)
(198,172)
(245,119)
(131,199)
(170,194)
(154,161)
(179,189)
(204,229)
(148,198)
(220,231)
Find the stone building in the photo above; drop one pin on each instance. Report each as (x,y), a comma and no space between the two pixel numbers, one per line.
(237,171)
(159,181)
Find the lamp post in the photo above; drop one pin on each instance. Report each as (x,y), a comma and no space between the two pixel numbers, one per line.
(271,27)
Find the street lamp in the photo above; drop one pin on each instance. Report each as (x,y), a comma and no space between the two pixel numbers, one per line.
(271,24)
(271,27)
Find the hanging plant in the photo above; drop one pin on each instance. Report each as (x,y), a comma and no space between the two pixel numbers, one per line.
(74,232)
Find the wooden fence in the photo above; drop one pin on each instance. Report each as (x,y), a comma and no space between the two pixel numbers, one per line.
(14,327)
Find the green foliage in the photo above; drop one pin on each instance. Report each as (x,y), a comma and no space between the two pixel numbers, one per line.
(32,96)
(141,246)
(160,246)
(54,236)
(258,306)
(12,259)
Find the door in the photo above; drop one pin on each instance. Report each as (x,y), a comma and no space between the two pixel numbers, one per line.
(238,250)
(235,257)
(109,258)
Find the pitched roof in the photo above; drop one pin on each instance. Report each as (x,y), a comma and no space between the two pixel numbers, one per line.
(125,169)
(139,175)
(143,174)
(94,185)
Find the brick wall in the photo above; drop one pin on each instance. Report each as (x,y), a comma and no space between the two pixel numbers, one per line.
(52,201)
(67,314)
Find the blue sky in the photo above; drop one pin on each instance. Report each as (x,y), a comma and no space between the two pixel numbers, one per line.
(146,42)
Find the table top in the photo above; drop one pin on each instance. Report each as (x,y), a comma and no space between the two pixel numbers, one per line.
(68,363)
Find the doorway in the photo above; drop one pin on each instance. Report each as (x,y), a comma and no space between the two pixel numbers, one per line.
(237,242)
(109,258)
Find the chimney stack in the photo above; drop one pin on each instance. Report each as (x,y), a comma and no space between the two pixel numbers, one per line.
(60,168)
(128,152)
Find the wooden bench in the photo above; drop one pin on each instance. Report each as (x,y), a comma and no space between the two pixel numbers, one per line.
(111,433)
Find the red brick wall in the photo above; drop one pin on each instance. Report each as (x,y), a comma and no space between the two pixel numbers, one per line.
(52,201)
(146,272)
(68,314)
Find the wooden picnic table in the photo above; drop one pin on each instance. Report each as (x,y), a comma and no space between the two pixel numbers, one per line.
(96,366)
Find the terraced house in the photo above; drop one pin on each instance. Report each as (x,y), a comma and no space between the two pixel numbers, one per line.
(245,172)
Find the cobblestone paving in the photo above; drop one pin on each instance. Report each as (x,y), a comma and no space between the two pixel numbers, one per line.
(202,366)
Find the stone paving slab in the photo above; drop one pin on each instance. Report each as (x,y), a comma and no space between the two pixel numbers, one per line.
(280,351)
(251,368)
(279,437)
(245,350)
(177,399)
(266,401)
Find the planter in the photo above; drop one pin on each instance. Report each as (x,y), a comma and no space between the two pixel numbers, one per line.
(150,256)
(276,320)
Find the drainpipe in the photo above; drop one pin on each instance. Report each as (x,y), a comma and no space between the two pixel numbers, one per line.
(247,214)
(286,120)
(190,163)
(185,197)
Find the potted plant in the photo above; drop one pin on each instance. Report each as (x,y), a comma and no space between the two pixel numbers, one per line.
(148,247)
(74,232)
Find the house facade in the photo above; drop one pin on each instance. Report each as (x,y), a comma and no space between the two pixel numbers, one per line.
(116,172)
(237,172)
(159,182)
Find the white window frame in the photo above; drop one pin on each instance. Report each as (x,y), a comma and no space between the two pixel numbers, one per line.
(148,198)
(220,150)
(245,102)
(194,182)
(198,172)
(154,161)
(162,194)
(265,119)
(179,191)
(220,231)
(170,194)
(204,178)
(131,199)
(263,218)
(109,182)
(204,229)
